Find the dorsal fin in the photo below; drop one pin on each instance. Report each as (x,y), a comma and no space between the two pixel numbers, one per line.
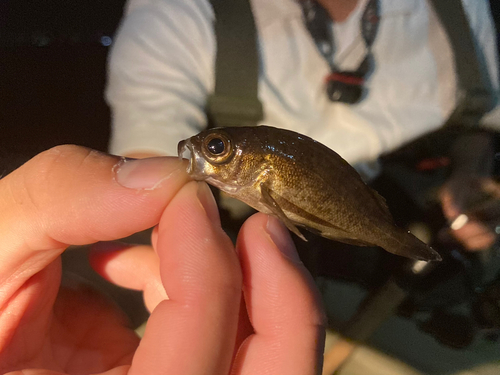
(382,203)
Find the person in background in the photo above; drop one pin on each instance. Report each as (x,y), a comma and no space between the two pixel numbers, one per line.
(161,72)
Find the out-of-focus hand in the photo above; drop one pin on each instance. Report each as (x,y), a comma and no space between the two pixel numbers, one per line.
(70,195)
(473,234)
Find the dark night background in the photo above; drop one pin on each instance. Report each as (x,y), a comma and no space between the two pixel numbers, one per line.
(52,75)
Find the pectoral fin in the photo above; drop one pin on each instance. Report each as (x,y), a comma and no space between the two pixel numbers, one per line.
(269,201)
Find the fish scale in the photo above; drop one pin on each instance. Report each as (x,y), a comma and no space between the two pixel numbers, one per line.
(302,182)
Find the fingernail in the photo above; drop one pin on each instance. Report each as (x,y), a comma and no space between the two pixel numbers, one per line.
(207,200)
(141,173)
(281,237)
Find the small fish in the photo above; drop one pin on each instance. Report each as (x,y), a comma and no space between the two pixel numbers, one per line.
(300,181)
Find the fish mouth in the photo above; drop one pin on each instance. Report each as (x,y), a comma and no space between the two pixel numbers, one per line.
(186,148)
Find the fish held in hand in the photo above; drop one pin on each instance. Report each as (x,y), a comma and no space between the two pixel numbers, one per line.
(302,182)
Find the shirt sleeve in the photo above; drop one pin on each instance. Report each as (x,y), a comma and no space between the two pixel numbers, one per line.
(483,28)
(160,71)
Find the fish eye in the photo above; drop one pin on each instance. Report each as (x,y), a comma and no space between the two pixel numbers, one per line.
(217,147)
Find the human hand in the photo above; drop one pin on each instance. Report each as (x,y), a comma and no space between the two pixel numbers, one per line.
(458,200)
(70,195)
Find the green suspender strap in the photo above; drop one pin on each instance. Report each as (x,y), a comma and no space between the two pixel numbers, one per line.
(475,92)
(235,99)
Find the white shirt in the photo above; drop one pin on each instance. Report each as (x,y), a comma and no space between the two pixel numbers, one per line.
(162,69)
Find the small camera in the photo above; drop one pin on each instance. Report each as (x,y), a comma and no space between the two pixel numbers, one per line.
(345,87)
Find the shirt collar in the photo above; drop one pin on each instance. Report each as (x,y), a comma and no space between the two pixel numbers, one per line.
(270,11)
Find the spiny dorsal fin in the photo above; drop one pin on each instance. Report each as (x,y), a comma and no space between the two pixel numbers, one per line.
(382,204)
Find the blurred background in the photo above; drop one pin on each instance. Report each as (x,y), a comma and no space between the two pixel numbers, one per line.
(52,76)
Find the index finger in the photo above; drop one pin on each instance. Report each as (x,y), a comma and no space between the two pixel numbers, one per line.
(282,301)
(71,195)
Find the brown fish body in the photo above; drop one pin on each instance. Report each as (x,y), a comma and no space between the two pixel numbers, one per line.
(301,181)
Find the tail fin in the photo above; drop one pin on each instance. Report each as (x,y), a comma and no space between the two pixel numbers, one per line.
(407,245)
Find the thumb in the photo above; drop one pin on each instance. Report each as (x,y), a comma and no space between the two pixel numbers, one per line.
(71,195)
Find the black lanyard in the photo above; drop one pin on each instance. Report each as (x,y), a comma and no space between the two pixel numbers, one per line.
(342,86)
